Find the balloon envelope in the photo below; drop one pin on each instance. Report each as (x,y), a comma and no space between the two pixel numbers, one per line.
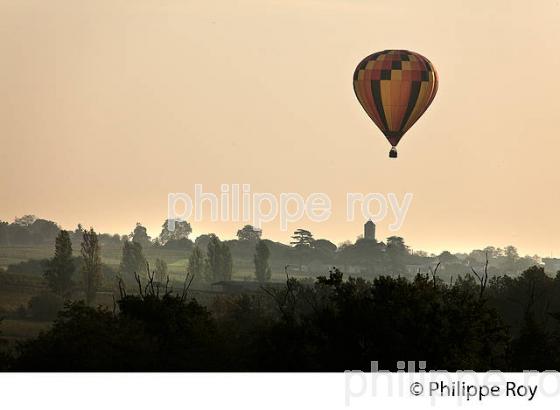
(395,87)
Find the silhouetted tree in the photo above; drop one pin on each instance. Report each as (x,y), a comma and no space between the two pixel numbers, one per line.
(202,241)
(28,230)
(534,348)
(227,262)
(219,260)
(77,235)
(333,324)
(397,253)
(197,265)
(26,220)
(43,231)
(148,332)
(160,271)
(302,238)
(4,238)
(249,233)
(61,267)
(181,230)
(511,257)
(140,235)
(132,260)
(5,357)
(447,257)
(324,245)
(262,269)
(91,265)
(396,244)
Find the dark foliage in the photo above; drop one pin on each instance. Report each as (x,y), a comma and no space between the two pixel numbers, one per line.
(61,267)
(148,333)
(32,267)
(331,325)
(28,230)
(182,244)
(45,306)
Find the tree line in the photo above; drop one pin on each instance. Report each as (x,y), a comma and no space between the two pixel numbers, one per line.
(214,265)
(305,253)
(334,323)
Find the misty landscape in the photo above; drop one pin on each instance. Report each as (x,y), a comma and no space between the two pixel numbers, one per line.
(84,300)
(359,192)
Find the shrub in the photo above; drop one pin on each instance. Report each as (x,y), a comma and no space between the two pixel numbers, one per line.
(34,267)
(45,306)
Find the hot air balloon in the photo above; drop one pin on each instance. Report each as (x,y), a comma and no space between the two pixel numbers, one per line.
(395,87)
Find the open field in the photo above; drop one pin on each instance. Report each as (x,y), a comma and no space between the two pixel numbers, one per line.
(176,259)
(15,254)
(17,289)
(16,329)
(12,298)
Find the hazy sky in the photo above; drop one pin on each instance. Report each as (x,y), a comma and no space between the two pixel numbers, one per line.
(107,106)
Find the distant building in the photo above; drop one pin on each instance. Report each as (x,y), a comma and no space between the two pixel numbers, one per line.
(369,230)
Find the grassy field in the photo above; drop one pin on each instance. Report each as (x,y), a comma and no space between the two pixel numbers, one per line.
(15,329)
(16,290)
(15,254)
(11,298)
(176,259)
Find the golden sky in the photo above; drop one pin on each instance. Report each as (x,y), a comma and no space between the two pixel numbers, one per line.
(106,106)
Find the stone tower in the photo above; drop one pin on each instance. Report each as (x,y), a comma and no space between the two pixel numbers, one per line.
(369,230)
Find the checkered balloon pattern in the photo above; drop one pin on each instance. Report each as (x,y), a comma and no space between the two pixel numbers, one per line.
(395,87)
